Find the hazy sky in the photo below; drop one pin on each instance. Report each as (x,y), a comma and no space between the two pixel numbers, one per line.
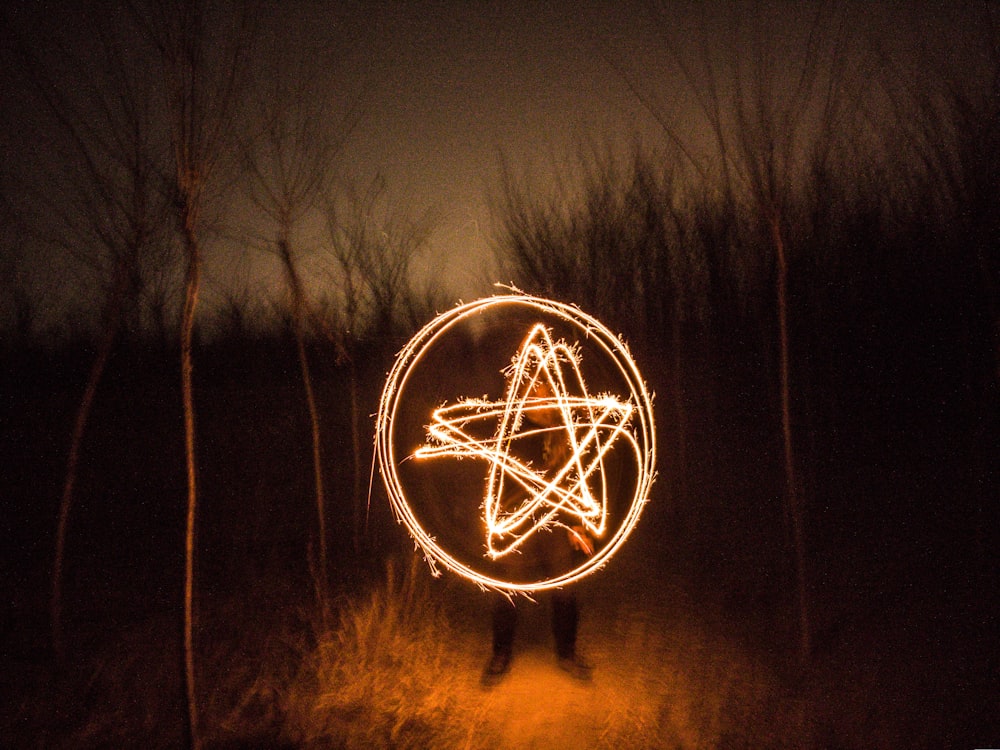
(458,83)
(446,87)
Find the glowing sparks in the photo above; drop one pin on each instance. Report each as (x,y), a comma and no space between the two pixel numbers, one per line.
(576,430)
(547,441)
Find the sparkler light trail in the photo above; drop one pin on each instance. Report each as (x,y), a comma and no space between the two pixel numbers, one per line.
(571,428)
(590,478)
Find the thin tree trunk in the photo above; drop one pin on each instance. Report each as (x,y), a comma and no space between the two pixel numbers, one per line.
(793,495)
(356,454)
(298,311)
(192,285)
(97,369)
(317,454)
(677,363)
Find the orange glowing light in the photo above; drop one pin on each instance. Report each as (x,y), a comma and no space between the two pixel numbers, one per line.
(590,440)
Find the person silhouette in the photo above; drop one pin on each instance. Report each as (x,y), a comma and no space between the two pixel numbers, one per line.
(547,551)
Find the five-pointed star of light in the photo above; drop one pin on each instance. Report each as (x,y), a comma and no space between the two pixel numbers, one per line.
(546,399)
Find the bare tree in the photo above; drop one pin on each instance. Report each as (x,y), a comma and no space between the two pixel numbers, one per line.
(761,111)
(201,51)
(290,161)
(945,133)
(103,204)
(945,143)
(758,151)
(371,252)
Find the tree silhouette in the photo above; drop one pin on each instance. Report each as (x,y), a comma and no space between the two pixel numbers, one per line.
(370,254)
(765,112)
(945,146)
(103,204)
(290,160)
(201,50)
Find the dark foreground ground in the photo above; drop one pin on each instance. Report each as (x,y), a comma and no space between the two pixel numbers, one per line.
(692,628)
(398,666)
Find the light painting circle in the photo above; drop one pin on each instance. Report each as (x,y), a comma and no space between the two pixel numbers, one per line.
(515,436)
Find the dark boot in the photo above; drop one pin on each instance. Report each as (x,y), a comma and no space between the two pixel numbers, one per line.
(565,618)
(504,625)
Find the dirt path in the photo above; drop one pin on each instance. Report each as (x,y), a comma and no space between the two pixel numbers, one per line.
(539,707)
(639,696)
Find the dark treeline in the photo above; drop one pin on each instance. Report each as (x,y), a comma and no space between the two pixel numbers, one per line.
(815,303)
(894,358)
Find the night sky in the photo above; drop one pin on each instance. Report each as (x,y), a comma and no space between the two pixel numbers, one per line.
(457,85)
(466,85)
(447,90)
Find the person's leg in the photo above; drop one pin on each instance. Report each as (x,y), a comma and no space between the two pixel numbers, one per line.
(565,618)
(504,624)
(558,558)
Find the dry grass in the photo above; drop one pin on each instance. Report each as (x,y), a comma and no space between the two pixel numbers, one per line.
(398,667)
(401,668)
(384,675)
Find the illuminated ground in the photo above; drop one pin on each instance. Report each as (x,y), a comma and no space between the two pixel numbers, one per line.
(539,707)
(658,680)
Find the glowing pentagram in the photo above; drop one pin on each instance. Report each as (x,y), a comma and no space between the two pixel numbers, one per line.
(584,427)
(549,455)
